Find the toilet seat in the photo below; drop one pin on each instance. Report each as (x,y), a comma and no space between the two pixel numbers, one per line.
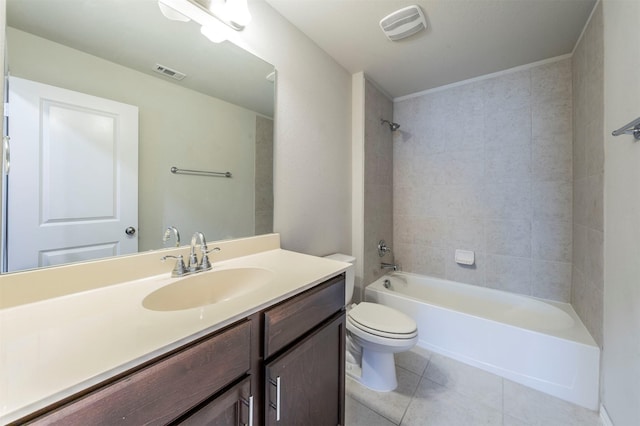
(382,321)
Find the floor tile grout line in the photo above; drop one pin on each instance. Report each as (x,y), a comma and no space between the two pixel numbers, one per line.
(422,376)
(364,404)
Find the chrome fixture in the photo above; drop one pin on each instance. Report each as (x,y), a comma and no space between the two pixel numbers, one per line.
(383,248)
(393,126)
(179,270)
(215,17)
(632,128)
(392,266)
(167,234)
(204,264)
(387,283)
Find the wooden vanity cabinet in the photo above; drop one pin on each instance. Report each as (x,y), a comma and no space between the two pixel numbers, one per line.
(305,358)
(165,389)
(229,377)
(235,406)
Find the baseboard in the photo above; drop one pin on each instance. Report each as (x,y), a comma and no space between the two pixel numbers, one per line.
(604,416)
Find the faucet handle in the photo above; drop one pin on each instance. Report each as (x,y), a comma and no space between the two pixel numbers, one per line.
(383,248)
(180,269)
(205,264)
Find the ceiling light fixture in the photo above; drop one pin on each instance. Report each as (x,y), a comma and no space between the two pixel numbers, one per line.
(232,13)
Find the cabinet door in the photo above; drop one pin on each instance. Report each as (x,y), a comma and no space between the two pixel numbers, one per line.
(305,385)
(233,407)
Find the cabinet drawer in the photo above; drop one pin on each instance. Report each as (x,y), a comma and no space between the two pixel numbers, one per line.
(166,389)
(294,317)
(233,407)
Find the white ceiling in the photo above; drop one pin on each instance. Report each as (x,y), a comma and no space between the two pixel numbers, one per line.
(465,38)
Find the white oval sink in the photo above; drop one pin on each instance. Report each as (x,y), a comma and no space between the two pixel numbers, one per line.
(206,288)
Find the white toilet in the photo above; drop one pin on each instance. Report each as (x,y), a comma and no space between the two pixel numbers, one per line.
(374,333)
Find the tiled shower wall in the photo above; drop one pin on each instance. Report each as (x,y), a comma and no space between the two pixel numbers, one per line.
(264,176)
(378,181)
(588,173)
(487,166)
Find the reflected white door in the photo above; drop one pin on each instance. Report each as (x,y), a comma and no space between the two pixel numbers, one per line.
(73,183)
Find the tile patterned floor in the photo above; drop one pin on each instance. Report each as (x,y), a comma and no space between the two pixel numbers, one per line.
(437,391)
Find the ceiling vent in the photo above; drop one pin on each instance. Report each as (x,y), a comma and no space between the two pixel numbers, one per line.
(177,75)
(403,23)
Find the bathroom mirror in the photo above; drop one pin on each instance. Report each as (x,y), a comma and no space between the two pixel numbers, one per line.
(219,117)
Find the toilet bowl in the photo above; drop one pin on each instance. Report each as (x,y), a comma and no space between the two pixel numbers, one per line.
(374,334)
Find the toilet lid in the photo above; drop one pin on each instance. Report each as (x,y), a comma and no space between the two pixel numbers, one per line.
(382,319)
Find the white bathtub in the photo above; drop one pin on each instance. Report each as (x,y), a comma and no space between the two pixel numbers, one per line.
(540,344)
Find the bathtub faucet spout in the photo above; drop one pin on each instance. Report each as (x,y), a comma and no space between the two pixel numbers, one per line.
(392,266)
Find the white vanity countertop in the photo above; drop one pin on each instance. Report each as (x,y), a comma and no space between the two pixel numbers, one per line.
(54,348)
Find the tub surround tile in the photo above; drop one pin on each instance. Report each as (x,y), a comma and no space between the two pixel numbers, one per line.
(431,231)
(551,280)
(579,247)
(579,150)
(509,273)
(552,119)
(511,164)
(508,92)
(552,200)
(430,261)
(551,159)
(506,189)
(551,240)
(595,258)
(467,233)
(508,200)
(378,180)
(595,202)
(594,148)
(581,201)
(508,237)
(508,128)
(588,159)
(469,274)
(587,300)
(551,83)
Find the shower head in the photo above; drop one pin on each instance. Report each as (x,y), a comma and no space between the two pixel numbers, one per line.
(392,126)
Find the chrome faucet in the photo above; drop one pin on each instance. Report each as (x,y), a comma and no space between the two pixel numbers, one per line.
(384,265)
(179,270)
(168,232)
(204,264)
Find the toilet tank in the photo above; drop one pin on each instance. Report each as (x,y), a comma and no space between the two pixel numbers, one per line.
(350,273)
